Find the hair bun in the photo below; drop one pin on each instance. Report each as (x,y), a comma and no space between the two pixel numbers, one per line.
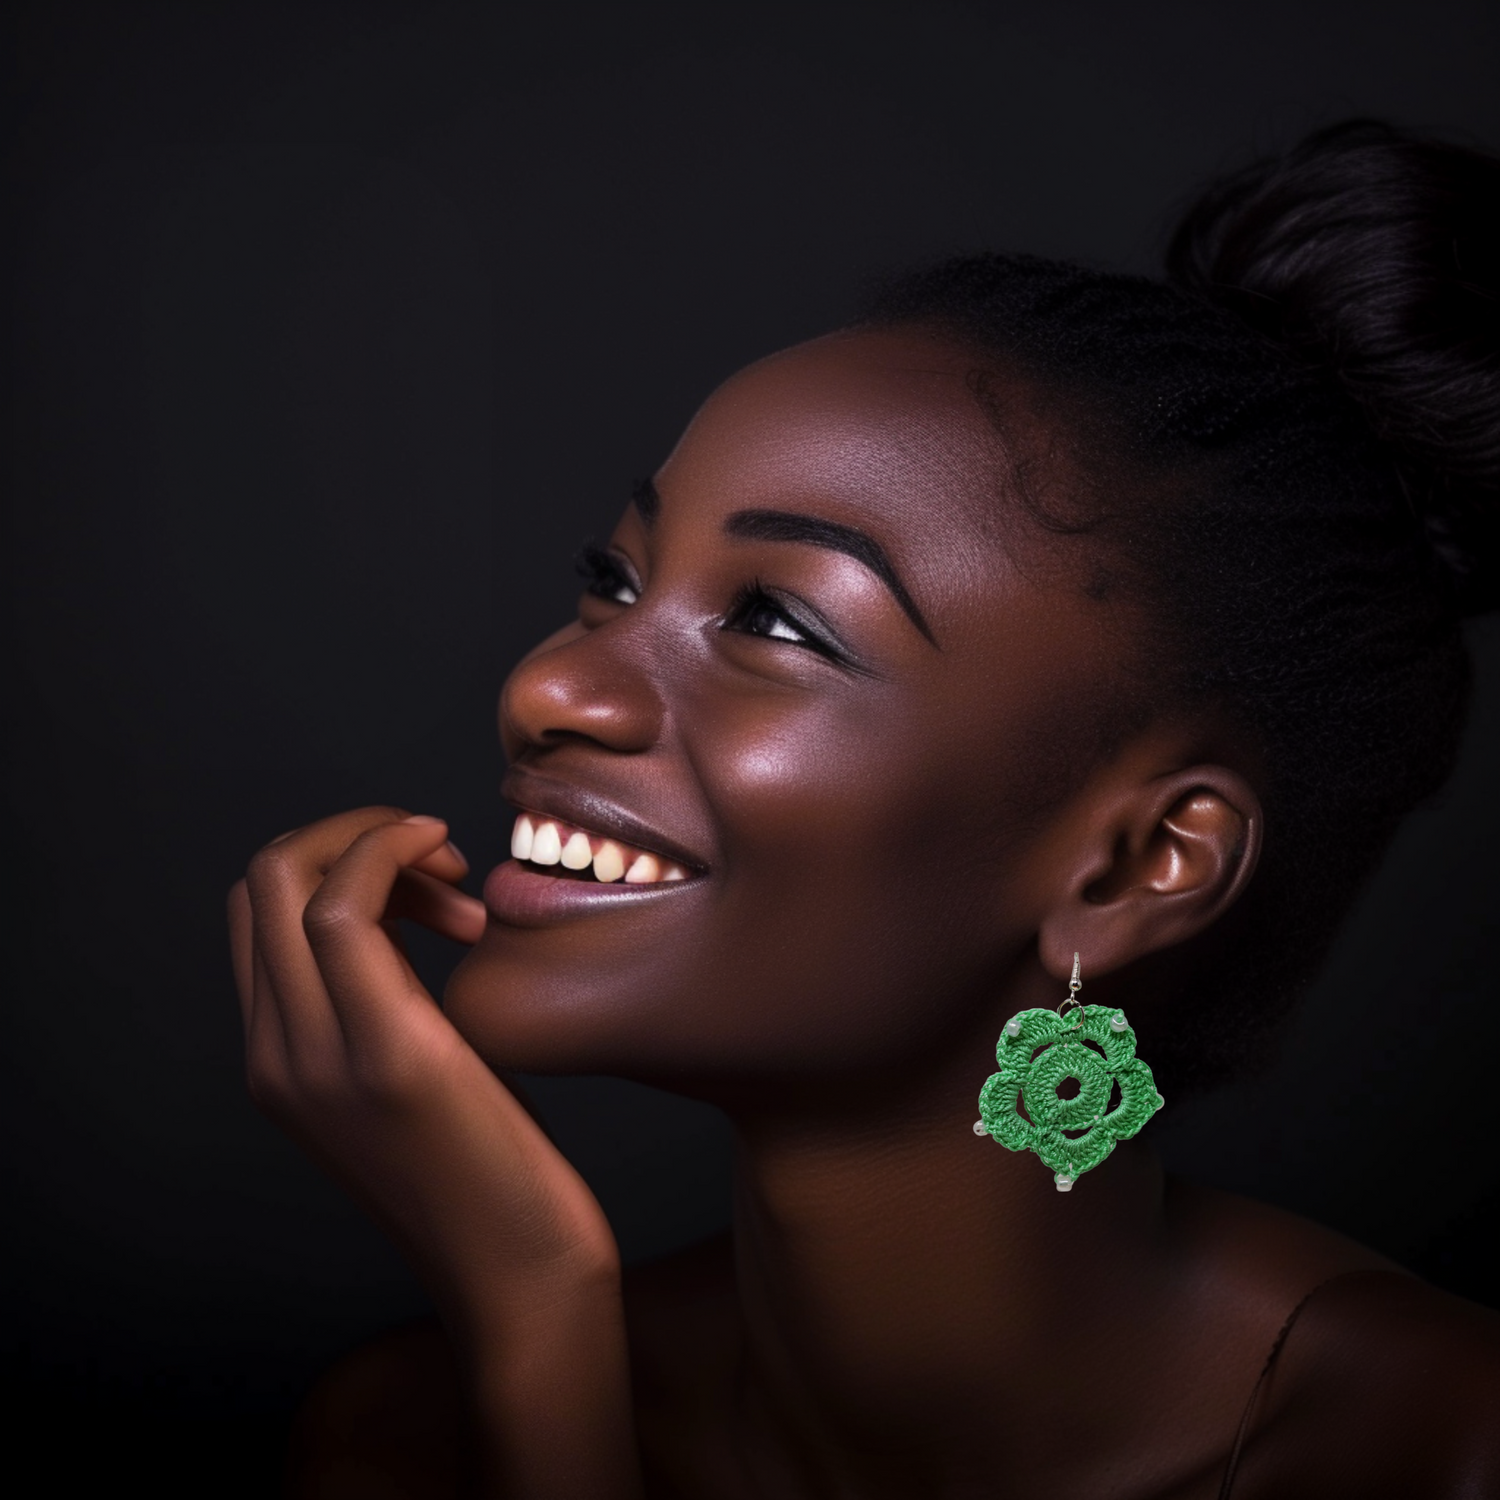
(1375,255)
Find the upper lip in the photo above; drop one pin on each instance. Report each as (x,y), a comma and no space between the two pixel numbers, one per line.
(591,811)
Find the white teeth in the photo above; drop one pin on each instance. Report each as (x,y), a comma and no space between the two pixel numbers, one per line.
(521,837)
(577,855)
(609,862)
(546,847)
(543,843)
(645,871)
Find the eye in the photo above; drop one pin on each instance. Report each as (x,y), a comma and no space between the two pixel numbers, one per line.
(755,611)
(607,576)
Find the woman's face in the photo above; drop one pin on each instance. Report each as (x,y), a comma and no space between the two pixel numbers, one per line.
(807,672)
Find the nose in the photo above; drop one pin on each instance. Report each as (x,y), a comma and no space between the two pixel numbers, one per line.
(579,685)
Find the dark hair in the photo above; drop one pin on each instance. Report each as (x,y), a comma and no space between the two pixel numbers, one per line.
(1299,438)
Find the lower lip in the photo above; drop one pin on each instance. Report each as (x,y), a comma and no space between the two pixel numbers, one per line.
(520,897)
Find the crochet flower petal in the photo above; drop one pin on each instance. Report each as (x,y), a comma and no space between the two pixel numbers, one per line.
(1139,1100)
(997,1108)
(1033,1028)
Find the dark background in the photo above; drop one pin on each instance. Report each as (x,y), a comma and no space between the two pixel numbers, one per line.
(338,329)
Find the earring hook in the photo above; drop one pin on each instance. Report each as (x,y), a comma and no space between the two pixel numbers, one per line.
(1071,1001)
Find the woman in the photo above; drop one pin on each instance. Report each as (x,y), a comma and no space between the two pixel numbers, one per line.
(1043,612)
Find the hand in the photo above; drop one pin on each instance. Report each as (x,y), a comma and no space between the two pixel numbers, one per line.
(352,1057)
(349,1054)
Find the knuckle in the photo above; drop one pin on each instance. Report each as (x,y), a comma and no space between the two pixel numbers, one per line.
(377,834)
(269,872)
(326,918)
(368,823)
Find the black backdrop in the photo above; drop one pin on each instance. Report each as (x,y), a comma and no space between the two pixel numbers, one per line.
(338,329)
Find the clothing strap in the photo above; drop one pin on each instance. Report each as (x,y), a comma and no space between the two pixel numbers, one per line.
(1243,1431)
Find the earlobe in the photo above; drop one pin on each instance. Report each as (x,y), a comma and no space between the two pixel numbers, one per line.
(1167,859)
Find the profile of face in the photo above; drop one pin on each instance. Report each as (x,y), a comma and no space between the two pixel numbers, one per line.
(825,669)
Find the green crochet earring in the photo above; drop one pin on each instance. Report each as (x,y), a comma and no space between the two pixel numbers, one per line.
(1038,1051)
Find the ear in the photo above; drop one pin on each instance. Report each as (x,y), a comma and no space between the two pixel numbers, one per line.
(1159,861)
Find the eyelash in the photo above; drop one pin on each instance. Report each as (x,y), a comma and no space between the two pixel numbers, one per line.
(605,578)
(755,596)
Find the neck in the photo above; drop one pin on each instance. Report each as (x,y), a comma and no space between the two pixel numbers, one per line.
(906,1286)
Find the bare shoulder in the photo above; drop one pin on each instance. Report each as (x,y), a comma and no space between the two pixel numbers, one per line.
(1386,1387)
(1383,1385)
(1257,1247)
(383,1423)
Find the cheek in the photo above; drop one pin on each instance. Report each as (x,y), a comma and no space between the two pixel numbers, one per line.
(863,884)
(874,798)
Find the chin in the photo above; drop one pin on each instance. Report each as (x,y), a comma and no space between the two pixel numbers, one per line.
(531,1002)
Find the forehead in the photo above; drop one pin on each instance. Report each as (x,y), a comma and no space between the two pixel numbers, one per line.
(875,429)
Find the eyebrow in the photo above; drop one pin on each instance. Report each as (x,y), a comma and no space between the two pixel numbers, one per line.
(791,526)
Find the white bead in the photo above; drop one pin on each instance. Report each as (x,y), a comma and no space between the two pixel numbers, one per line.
(1117,1022)
(1013,1027)
(1064,1182)
(979,1128)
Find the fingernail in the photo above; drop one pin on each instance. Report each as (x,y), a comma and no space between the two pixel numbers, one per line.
(456,852)
(421,818)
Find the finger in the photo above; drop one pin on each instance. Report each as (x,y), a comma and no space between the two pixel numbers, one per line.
(324,840)
(265,1039)
(367,980)
(329,837)
(447,863)
(282,879)
(434,904)
(267,1054)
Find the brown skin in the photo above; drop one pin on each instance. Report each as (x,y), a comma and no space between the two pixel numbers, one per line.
(897,843)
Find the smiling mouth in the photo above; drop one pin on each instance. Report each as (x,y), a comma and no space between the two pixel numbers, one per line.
(547,846)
